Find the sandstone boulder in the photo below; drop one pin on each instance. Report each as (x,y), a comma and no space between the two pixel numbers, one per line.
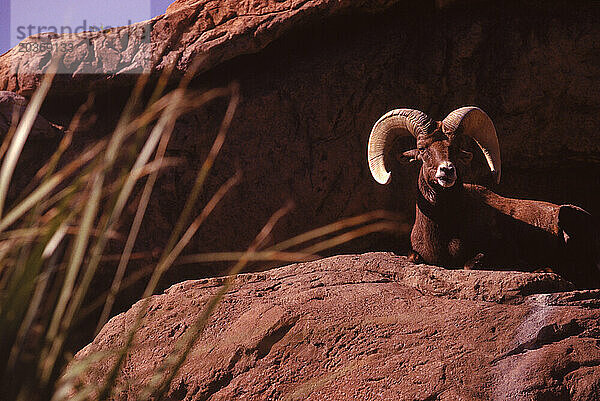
(368,327)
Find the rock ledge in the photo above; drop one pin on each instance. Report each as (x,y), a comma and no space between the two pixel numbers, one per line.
(372,326)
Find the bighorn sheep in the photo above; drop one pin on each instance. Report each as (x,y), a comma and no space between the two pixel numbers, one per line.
(464,225)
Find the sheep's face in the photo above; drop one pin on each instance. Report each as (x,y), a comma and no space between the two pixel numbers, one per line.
(442,158)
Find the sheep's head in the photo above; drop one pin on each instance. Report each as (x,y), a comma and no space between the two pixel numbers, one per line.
(438,143)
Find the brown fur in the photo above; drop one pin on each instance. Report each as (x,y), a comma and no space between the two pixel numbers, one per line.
(469,226)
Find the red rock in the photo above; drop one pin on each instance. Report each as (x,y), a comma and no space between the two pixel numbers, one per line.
(369,327)
(218,30)
(315,75)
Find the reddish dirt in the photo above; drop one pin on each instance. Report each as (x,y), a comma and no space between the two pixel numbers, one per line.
(369,327)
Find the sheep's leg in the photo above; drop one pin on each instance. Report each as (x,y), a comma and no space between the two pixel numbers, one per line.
(581,263)
(414,257)
(475,263)
(575,221)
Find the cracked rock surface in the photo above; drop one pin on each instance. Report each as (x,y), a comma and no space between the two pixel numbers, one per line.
(369,327)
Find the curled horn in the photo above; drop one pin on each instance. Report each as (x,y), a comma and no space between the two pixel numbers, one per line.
(478,125)
(399,122)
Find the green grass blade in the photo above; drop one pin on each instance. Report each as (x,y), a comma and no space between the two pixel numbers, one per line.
(162,266)
(331,228)
(131,238)
(160,384)
(205,169)
(266,256)
(22,133)
(49,356)
(47,187)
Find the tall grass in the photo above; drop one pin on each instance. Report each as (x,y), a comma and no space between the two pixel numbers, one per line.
(54,239)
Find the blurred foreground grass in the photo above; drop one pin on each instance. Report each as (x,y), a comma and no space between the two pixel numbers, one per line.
(54,237)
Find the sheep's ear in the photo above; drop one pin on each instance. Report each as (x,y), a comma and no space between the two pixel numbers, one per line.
(465,157)
(409,156)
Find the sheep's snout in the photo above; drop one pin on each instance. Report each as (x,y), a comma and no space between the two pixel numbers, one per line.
(446,174)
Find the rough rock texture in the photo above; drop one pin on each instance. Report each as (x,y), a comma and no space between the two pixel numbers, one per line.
(370,327)
(219,30)
(315,76)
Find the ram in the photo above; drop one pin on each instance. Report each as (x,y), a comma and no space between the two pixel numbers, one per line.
(462,225)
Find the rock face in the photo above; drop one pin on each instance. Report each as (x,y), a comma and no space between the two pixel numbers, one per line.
(310,100)
(315,75)
(369,327)
(220,30)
